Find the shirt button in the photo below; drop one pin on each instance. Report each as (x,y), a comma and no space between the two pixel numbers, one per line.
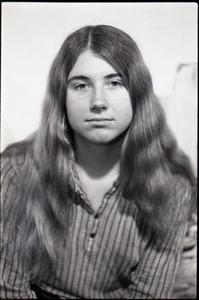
(96,216)
(92,235)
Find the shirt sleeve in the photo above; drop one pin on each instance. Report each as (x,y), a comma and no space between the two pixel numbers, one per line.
(14,282)
(155,273)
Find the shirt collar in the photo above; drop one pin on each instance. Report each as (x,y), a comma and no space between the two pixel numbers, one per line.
(78,189)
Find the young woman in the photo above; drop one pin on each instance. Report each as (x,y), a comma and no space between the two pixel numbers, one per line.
(96,202)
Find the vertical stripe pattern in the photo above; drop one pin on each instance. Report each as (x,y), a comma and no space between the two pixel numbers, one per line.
(106,255)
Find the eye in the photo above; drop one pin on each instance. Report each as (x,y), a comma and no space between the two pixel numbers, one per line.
(115,84)
(81,86)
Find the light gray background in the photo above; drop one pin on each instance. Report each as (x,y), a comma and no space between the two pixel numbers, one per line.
(32,34)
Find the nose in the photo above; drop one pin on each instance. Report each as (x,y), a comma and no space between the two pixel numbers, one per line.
(98,101)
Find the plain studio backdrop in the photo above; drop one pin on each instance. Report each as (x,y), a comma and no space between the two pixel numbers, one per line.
(32,34)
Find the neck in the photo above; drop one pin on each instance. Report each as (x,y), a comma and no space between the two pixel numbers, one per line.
(98,160)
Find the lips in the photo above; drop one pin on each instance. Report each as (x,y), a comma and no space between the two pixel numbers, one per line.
(99,120)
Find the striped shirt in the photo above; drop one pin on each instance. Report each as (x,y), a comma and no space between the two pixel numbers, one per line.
(108,254)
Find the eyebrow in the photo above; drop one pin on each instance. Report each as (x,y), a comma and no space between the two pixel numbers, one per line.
(82,77)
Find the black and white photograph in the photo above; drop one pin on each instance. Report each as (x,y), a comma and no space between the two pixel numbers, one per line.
(98,150)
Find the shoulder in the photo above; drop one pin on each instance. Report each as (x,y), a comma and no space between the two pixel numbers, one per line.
(180,188)
(14,157)
(12,169)
(181,197)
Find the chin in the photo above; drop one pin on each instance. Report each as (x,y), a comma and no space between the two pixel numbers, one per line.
(105,141)
(100,142)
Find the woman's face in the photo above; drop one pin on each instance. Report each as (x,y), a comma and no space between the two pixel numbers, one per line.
(98,105)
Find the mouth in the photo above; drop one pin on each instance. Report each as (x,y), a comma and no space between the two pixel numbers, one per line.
(99,120)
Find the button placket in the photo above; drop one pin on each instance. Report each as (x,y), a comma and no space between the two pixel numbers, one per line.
(93,234)
(92,243)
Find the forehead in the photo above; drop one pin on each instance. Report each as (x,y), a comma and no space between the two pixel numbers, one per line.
(90,64)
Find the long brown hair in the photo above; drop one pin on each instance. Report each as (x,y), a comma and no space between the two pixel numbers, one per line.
(150,156)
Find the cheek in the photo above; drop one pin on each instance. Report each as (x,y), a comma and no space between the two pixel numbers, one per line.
(125,111)
(126,118)
(72,112)
(75,112)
